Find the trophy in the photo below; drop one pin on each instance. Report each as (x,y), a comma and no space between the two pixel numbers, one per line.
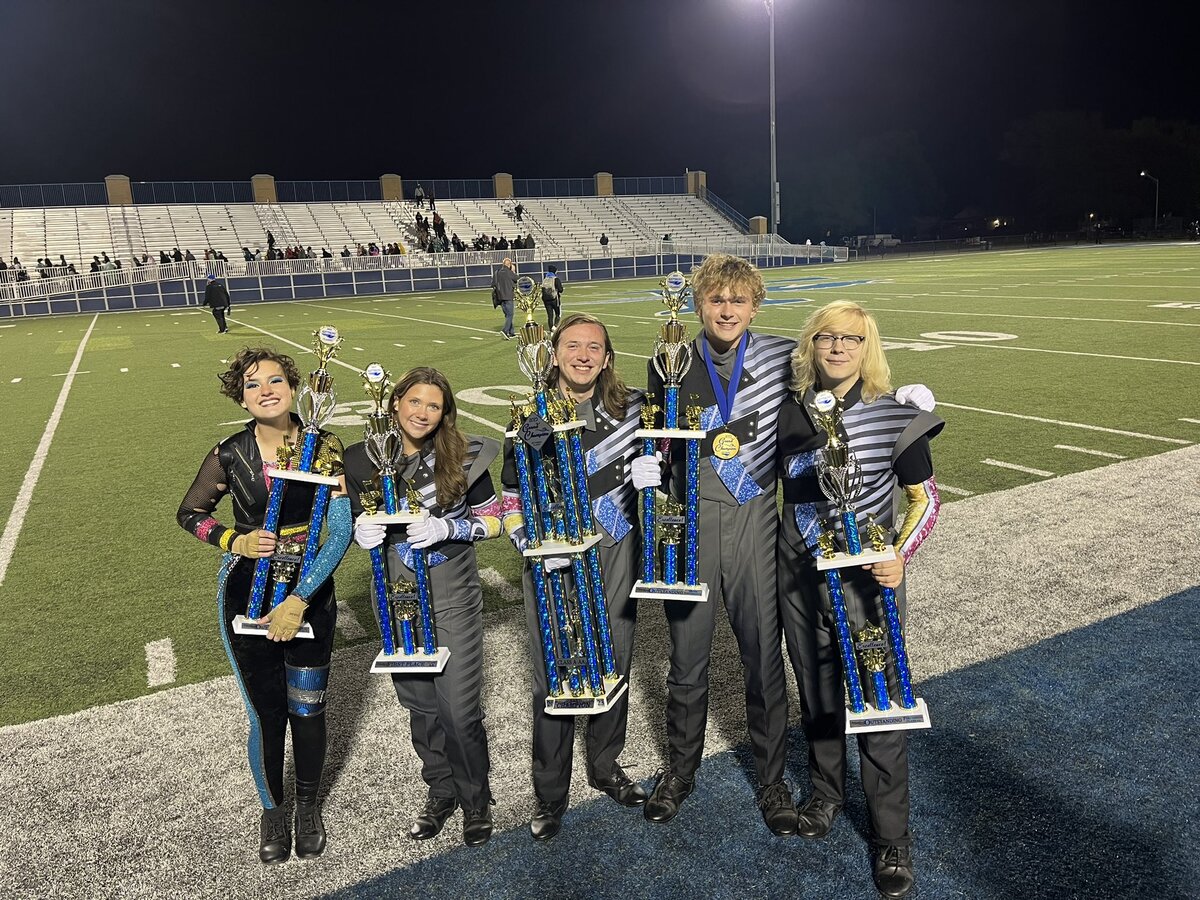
(674,522)
(873,645)
(572,614)
(402,606)
(314,462)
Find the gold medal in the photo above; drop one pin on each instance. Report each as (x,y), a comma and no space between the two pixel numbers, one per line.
(726,445)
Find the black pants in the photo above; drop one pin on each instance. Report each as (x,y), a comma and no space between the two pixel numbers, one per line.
(219,314)
(816,659)
(554,736)
(261,667)
(553,310)
(737,564)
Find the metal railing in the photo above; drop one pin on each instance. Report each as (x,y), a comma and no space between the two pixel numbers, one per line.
(39,288)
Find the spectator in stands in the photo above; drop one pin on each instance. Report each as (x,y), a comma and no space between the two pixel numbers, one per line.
(104,257)
(604,243)
(221,256)
(346,251)
(325,254)
(504,283)
(432,199)
(518,211)
(208,254)
(246,254)
(552,289)
(667,236)
(189,256)
(456,243)
(108,265)
(419,195)
(258,253)
(176,255)
(439,226)
(137,263)
(216,298)
(270,240)
(518,243)
(502,244)
(3,264)
(529,244)
(95,266)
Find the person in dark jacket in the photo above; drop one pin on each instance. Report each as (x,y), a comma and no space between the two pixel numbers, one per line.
(216,298)
(552,289)
(504,283)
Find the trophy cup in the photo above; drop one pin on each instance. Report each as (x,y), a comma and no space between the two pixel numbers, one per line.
(573,624)
(672,358)
(840,478)
(399,604)
(314,462)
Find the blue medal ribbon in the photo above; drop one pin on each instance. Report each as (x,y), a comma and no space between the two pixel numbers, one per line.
(725,397)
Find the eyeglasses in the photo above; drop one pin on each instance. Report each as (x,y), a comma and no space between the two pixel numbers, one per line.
(849,341)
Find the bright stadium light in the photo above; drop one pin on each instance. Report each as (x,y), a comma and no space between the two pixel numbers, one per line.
(1145,174)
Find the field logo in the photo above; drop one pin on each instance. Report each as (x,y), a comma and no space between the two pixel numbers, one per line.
(968,337)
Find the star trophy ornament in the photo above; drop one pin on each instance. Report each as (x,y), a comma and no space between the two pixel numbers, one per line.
(878,646)
(315,462)
(402,607)
(572,614)
(672,523)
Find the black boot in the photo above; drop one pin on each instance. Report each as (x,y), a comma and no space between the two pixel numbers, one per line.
(310,829)
(275,841)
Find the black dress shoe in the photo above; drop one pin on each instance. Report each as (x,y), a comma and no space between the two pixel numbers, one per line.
(669,793)
(430,822)
(547,818)
(778,810)
(893,871)
(816,817)
(620,787)
(310,830)
(275,841)
(477,825)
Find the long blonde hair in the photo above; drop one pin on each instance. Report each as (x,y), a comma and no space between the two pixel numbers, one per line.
(449,444)
(842,317)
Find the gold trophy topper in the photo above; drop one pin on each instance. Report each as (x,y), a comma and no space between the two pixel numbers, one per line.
(377,381)
(285,454)
(876,535)
(650,411)
(412,498)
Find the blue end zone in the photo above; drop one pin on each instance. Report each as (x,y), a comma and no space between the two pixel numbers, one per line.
(1064,770)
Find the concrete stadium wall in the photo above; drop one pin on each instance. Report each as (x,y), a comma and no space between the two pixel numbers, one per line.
(310,286)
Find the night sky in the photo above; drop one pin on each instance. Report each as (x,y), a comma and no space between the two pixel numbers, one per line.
(165,90)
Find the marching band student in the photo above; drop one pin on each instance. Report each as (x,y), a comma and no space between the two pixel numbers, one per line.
(282,680)
(449,470)
(839,351)
(584,372)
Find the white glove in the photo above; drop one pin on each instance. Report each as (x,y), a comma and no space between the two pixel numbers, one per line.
(647,471)
(555,562)
(916,395)
(369,535)
(429,531)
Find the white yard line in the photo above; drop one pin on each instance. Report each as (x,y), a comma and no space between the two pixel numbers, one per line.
(493,578)
(1136,434)
(957,492)
(160,663)
(347,622)
(1090,452)
(990,315)
(1003,465)
(1192,421)
(16,519)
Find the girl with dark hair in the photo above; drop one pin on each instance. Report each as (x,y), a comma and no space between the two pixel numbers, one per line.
(449,472)
(282,680)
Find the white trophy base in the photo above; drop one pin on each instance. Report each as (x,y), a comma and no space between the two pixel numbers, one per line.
(410,664)
(844,560)
(682,434)
(897,718)
(658,590)
(562,548)
(404,518)
(242,625)
(585,704)
(310,477)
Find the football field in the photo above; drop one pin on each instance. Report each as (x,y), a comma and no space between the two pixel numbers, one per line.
(1044,363)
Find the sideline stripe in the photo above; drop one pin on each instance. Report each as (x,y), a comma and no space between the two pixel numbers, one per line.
(160,663)
(356,369)
(1137,434)
(1103,453)
(1193,421)
(16,519)
(493,578)
(958,492)
(347,622)
(1016,468)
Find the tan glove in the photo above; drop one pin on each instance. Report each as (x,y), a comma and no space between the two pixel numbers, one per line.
(285,619)
(255,544)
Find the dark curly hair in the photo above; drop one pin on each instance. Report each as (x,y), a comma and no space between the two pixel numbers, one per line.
(233,379)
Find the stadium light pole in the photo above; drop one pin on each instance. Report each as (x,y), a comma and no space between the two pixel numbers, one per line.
(1146,174)
(770,5)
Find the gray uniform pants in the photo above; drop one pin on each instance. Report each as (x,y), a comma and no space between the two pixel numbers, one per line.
(737,562)
(554,736)
(446,714)
(815,656)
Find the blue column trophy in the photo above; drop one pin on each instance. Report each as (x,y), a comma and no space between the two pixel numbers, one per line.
(572,613)
(315,462)
(879,647)
(403,608)
(672,522)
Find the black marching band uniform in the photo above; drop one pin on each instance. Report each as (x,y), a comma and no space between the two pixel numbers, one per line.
(446,710)
(609,447)
(891,443)
(282,683)
(738,527)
